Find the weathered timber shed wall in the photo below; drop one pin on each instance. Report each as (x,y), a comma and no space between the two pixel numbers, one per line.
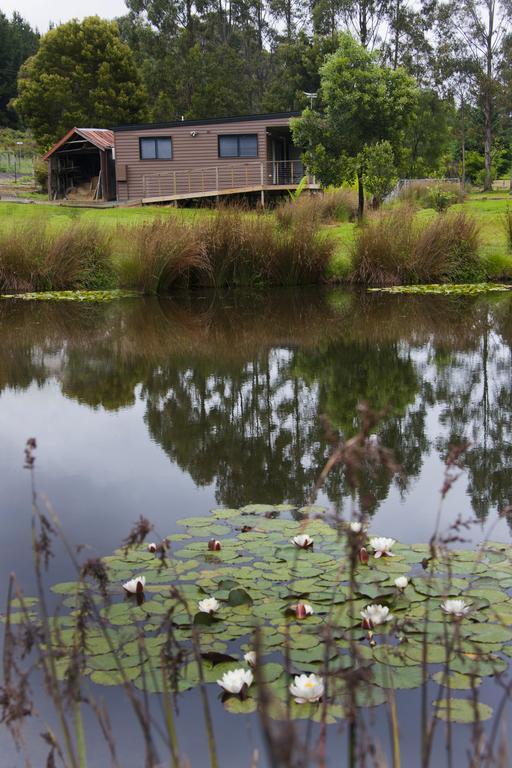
(81,165)
(195,165)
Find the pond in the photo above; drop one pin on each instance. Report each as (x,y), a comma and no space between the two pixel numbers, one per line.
(170,407)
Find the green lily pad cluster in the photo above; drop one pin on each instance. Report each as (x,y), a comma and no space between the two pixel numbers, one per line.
(258,576)
(95,296)
(452,289)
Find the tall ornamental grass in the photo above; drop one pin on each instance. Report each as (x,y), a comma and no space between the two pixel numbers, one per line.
(329,207)
(394,247)
(35,257)
(230,248)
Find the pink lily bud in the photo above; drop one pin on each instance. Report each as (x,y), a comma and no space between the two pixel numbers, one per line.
(363,556)
(214,545)
(366,624)
(300,611)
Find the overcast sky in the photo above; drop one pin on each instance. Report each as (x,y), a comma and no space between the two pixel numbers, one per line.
(40,12)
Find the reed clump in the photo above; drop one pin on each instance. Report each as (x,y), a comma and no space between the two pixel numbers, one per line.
(330,207)
(159,256)
(507,226)
(231,248)
(394,247)
(35,257)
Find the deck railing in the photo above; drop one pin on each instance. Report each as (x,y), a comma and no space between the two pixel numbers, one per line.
(223,178)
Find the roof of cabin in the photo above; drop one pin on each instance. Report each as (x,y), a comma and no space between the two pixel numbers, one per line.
(209,121)
(103,138)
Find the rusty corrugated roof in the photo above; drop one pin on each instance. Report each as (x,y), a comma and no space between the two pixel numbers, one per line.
(103,138)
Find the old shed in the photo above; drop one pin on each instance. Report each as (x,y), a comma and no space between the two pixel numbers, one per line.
(81,166)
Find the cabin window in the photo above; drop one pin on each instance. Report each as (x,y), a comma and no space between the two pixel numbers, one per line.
(157,148)
(241,145)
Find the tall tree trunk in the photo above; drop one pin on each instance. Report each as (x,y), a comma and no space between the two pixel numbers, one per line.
(360,194)
(488,95)
(397,35)
(488,137)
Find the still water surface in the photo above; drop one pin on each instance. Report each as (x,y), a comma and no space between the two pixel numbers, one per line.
(169,407)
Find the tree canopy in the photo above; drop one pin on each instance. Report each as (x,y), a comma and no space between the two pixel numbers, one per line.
(365,103)
(82,74)
(18,41)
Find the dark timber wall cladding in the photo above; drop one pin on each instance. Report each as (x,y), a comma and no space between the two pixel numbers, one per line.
(195,165)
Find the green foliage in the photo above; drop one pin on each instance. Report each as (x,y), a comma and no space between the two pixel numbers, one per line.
(439,199)
(379,172)
(365,104)
(18,41)
(82,74)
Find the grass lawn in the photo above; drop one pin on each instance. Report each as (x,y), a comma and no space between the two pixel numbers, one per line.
(61,215)
(487,209)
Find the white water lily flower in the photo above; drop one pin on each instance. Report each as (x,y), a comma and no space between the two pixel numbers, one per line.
(135,585)
(209,605)
(250,658)
(456,608)
(307,688)
(376,614)
(382,546)
(234,681)
(302,540)
(356,527)
(401,582)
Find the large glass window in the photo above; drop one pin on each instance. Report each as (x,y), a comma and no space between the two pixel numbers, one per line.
(158,148)
(241,145)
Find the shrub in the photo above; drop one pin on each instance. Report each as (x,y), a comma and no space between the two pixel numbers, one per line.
(41,174)
(439,199)
(393,248)
(423,193)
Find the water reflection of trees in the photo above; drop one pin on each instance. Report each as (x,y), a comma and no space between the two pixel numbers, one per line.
(234,387)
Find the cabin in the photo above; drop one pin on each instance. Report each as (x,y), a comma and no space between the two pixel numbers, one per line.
(214,157)
(81,166)
(252,155)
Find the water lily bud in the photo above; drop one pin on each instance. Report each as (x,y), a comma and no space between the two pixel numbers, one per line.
(300,611)
(214,545)
(356,527)
(373,642)
(366,624)
(152,547)
(135,586)
(363,556)
(401,582)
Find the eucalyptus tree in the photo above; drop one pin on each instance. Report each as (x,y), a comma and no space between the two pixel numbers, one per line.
(477,30)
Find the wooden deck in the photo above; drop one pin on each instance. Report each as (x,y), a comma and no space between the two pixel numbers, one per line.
(256,188)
